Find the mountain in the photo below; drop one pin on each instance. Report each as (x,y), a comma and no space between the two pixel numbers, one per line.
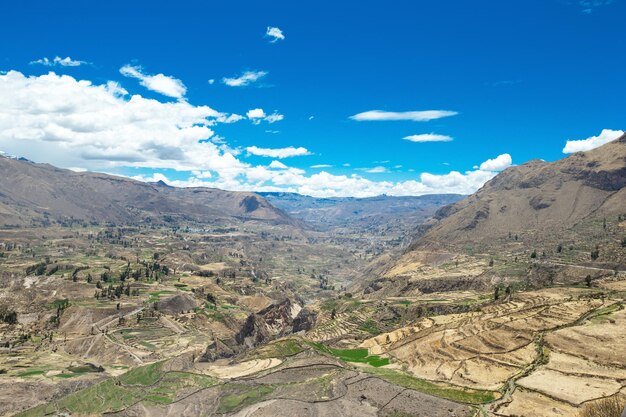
(381,214)
(538,198)
(536,223)
(34,194)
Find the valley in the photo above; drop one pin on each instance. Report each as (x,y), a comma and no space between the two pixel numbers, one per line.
(489,305)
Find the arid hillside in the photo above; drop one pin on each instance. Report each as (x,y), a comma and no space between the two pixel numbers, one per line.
(534,224)
(37,194)
(538,198)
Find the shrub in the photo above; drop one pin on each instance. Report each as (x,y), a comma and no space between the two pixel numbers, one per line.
(607,407)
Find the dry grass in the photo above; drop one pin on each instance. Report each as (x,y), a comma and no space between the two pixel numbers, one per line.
(608,407)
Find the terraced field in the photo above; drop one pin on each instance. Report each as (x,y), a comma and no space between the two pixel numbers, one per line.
(305,383)
(559,347)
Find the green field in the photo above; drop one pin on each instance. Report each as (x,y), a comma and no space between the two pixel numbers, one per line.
(449,392)
(352,355)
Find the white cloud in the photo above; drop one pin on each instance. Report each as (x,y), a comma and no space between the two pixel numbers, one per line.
(211,81)
(376,170)
(275,33)
(163,84)
(274,117)
(416,116)
(70,123)
(57,60)
(428,137)
(321,166)
(247,78)
(278,153)
(58,119)
(278,165)
(606,136)
(499,163)
(256,115)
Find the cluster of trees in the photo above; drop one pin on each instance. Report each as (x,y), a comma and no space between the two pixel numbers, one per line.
(37,269)
(496,292)
(324,282)
(112,292)
(61,305)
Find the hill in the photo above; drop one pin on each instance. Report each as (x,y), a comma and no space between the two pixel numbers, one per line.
(37,194)
(539,198)
(536,223)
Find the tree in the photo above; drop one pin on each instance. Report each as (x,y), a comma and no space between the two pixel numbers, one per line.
(211,298)
(559,248)
(333,314)
(588,281)
(491,262)
(595,253)
(533,255)
(624,242)
(496,293)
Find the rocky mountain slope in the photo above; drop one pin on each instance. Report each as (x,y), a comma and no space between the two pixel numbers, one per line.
(533,224)
(538,197)
(37,194)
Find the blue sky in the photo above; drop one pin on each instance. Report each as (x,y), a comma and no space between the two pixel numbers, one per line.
(508,81)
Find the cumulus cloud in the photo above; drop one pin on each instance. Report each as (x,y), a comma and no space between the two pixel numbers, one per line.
(59,119)
(57,60)
(499,163)
(606,136)
(75,123)
(255,114)
(275,34)
(279,152)
(163,84)
(416,116)
(278,165)
(428,137)
(247,78)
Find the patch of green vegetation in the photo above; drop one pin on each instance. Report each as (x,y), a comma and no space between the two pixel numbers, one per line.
(330,304)
(601,315)
(352,355)
(144,375)
(370,327)
(245,396)
(449,392)
(147,345)
(156,296)
(31,372)
(114,395)
(280,349)
(157,399)
(68,375)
